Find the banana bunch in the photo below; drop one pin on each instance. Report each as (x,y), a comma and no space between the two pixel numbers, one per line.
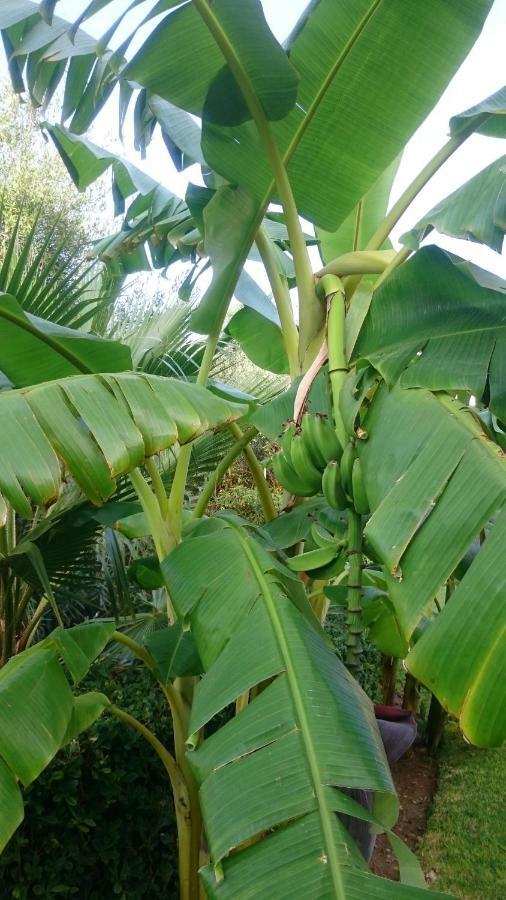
(305,452)
(343,483)
(311,460)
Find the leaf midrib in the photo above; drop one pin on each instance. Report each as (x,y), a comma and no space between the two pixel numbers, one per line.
(312,757)
(313,108)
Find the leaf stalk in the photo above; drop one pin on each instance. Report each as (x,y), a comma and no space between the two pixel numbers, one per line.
(282,300)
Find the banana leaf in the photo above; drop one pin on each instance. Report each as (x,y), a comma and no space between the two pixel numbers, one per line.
(99,427)
(271,778)
(434,481)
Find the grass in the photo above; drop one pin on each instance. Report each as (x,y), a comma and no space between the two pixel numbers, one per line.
(464,848)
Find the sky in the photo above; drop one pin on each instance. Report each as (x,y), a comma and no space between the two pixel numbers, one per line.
(482,73)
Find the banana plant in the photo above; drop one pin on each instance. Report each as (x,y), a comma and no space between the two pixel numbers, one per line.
(382,460)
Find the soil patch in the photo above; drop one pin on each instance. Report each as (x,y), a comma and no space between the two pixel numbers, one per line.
(415,780)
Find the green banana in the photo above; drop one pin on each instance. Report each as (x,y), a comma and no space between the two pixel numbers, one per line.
(331,570)
(332,487)
(326,438)
(287,476)
(286,440)
(313,559)
(303,464)
(347,461)
(359,495)
(321,536)
(309,438)
(320,439)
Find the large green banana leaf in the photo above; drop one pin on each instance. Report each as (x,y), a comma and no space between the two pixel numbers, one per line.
(439,322)
(38,712)
(369,74)
(271,778)
(99,427)
(476,211)
(333,133)
(487,117)
(434,481)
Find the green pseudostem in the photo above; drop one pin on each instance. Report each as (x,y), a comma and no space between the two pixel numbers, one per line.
(331,287)
(354,593)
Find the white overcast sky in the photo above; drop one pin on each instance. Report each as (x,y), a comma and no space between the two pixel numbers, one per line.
(482,73)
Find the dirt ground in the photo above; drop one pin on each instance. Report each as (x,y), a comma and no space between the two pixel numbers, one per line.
(415,779)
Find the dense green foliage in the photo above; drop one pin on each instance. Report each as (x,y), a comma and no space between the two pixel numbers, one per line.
(388,474)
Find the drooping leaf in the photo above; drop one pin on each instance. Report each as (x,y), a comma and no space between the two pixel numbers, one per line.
(231,220)
(250,294)
(476,211)
(260,339)
(38,714)
(199,82)
(100,427)
(79,646)
(447,481)
(156,218)
(145,571)
(179,130)
(439,324)
(36,704)
(487,117)
(86,161)
(86,710)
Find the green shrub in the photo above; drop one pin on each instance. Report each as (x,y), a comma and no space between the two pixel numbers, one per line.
(243,500)
(99,821)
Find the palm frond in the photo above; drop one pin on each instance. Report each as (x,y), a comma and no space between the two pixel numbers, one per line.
(48,274)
